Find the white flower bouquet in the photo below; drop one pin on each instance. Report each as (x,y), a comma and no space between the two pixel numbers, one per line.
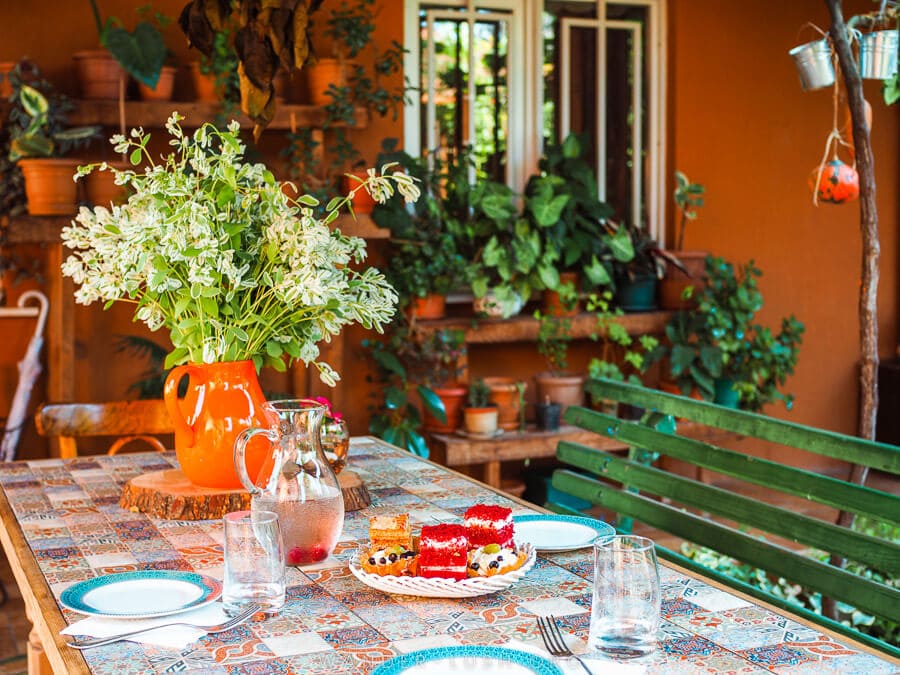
(209,247)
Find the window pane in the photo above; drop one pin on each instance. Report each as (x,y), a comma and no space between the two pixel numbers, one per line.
(454,55)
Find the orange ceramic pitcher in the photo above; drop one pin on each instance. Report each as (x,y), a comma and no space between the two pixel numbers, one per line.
(222,400)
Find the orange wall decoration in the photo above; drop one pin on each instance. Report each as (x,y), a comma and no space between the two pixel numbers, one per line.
(737,121)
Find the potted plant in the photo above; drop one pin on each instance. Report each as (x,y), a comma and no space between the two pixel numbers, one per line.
(502,246)
(39,140)
(260,281)
(619,353)
(424,264)
(141,53)
(508,394)
(557,384)
(480,415)
(673,287)
(165,84)
(719,351)
(440,364)
(576,246)
(215,73)
(636,280)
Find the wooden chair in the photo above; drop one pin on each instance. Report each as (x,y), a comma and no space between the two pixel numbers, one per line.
(131,421)
(680,506)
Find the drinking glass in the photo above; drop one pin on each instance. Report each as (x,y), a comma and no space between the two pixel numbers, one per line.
(254,562)
(626,602)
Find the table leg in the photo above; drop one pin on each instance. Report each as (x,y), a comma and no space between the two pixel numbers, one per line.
(492,473)
(37,659)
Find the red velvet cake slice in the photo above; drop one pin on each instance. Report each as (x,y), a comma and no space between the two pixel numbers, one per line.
(443,551)
(489,524)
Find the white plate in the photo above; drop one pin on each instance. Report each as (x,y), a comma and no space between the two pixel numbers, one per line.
(559,533)
(466,660)
(445,588)
(141,595)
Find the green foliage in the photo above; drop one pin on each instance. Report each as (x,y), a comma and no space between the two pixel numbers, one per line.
(222,65)
(719,339)
(688,198)
(141,52)
(209,247)
(408,367)
(563,208)
(617,346)
(647,258)
(38,123)
(422,256)
(553,339)
(479,393)
(797,594)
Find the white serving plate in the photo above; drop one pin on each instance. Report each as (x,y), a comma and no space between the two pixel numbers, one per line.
(445,588)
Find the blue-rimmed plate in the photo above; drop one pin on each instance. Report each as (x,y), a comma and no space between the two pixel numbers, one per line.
(559,533)
(468,659)
(141,595)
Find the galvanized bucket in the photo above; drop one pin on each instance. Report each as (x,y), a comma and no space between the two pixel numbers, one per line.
(813,61)
(878,54)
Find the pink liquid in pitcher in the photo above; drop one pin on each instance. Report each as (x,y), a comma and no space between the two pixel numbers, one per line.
(310,529)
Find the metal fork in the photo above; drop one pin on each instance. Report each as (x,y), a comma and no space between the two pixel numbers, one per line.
(555,642)
(217,628)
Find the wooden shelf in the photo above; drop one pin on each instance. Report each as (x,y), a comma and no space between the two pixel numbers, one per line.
(153,114)
(28,229)
(525,328)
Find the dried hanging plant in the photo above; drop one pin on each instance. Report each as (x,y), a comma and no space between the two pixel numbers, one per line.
(269,34)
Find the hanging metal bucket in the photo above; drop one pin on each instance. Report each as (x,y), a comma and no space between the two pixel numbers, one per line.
(813,61)
(878,54)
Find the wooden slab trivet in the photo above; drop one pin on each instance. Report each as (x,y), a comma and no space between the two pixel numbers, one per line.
(170,496)
(356,496)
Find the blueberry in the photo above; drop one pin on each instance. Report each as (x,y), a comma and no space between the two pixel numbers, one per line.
(392,557)
(474,566)
(494,564)
(499,557)
(381,561)
(408,554)
(371,561)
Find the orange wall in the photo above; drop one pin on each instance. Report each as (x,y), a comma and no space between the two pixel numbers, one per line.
(741,125)
(737,122)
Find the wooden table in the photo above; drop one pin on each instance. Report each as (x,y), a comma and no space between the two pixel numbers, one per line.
(62,524)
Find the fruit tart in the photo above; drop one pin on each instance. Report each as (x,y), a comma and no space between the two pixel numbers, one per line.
(393,560)
(486,561)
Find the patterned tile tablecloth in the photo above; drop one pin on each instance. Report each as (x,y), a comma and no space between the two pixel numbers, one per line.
(333,624)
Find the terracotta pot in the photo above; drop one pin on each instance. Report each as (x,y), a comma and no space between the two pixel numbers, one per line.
(49,187)
(674,283)
(565,389)
(164,87)
(5,85)
(553,304)
(481,421)
(432,306)
(222,400)
(504,392)
(100,187)
(362,201)
(453,397)
(322,74)
(204,85)
(99,73)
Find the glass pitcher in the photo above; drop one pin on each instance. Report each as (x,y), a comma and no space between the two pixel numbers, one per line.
(296,481)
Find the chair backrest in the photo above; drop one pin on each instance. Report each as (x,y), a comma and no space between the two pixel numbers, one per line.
(681,506)
(129,420)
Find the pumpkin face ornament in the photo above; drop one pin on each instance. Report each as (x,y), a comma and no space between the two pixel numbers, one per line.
(838,183)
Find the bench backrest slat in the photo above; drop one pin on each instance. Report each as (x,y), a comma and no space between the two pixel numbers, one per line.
(863,593)
(790,480)
(826,443)
(796,527)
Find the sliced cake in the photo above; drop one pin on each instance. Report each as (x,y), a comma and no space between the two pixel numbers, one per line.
(443,551)
(489,524)
(388,531)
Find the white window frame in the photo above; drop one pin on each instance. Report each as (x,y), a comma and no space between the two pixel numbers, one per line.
(526,94)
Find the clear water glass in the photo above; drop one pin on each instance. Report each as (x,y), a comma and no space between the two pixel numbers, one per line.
(625,611)
(254,562)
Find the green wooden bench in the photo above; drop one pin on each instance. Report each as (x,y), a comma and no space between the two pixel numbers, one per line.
(634,489)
